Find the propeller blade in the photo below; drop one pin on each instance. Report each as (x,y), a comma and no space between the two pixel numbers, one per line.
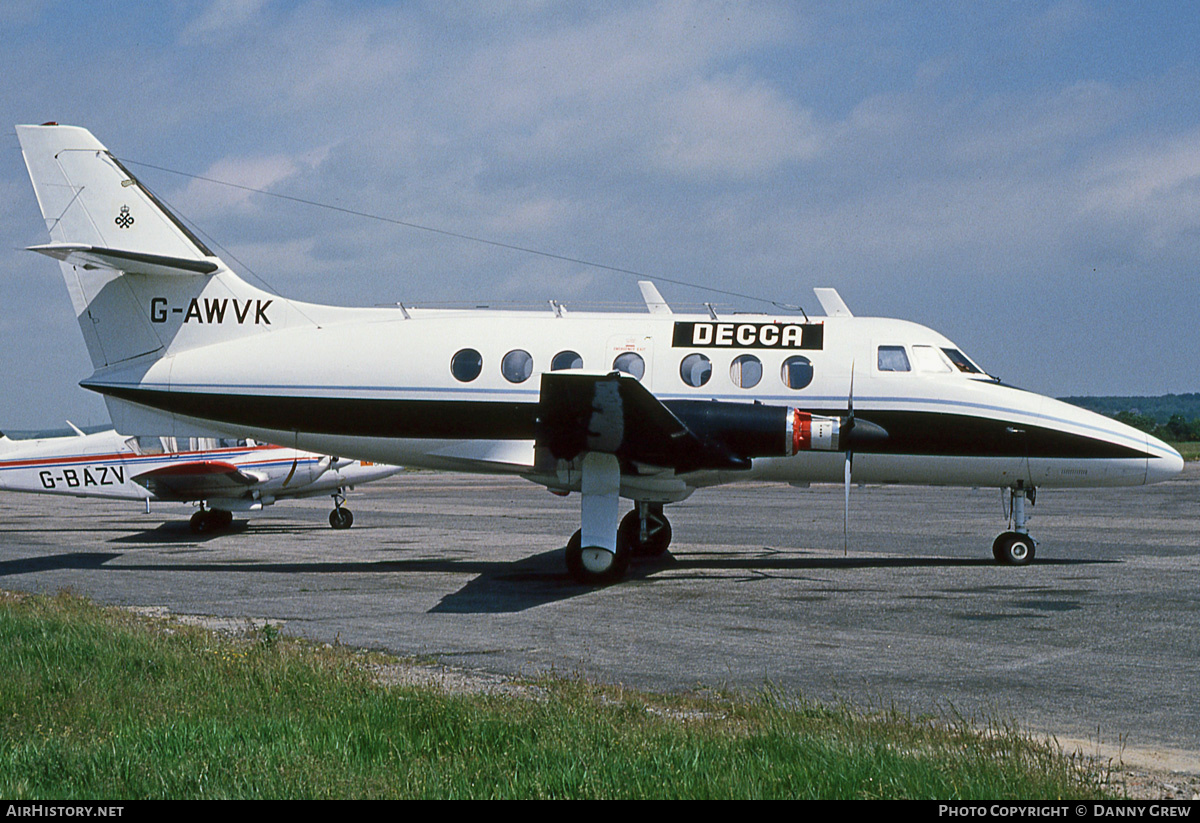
(848,433)
(846,512)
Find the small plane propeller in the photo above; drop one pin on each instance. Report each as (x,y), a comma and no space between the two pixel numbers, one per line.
(848,433)
(853,431)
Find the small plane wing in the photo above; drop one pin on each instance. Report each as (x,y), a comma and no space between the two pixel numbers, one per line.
(196,480)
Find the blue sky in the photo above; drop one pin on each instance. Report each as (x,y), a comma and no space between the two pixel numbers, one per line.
(1023,177)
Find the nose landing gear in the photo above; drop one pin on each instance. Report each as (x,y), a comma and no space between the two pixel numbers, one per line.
(340,517)
(1016,547)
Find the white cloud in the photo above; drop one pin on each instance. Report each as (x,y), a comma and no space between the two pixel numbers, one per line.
(221,16)
(732,127)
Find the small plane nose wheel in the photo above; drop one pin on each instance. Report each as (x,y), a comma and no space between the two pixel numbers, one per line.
(340,517)
(1016,547)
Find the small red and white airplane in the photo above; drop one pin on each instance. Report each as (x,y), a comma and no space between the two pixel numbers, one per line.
(220,476)
(647,406)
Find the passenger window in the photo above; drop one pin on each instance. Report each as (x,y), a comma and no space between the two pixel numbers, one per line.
(566,360)
(745,371)
(797,372)
(929,359)
(630,363)
(893,358)
(466,365)
(695,370)
(516,366)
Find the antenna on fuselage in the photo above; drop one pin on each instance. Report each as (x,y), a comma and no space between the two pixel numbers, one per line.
(832,303)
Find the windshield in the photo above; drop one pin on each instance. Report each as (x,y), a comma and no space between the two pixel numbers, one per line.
(962,362)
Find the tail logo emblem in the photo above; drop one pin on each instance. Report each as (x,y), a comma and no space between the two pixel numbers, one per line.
(124,220)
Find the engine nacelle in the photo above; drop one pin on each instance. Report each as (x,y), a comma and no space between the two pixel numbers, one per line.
(809,432)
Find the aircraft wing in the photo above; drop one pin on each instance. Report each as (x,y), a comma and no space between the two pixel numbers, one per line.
(616,414)
(196,480)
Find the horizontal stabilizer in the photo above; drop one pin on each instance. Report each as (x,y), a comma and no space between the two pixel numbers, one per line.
(197,480)
(130,262)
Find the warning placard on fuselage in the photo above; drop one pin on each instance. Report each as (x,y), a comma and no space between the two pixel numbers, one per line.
(749,335)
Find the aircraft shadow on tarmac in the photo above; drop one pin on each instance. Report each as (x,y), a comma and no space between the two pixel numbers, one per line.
(503,586)
(178,531)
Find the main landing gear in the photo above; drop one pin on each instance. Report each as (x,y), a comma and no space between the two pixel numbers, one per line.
(1016,547)
(646,529)
(644,532)
(206,521)
(340,517)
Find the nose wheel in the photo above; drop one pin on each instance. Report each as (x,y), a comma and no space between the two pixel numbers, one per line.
(340,517)
(1013,549)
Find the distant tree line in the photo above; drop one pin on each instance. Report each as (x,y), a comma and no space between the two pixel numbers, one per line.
(1176,429)
(1174,417)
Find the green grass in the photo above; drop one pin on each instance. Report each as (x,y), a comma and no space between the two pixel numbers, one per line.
(1189,450)
(98,703)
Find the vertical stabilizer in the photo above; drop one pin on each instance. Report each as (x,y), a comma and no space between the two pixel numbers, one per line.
(89,199)
(142,284)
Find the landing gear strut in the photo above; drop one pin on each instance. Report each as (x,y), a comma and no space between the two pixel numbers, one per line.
(1016,547)
(598,553)
(340,517)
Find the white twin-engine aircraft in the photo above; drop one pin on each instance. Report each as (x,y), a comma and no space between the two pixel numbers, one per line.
(646,406)
(220,476)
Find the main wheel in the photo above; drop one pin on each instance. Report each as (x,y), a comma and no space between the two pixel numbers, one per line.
(1013,549)
(658,533)
(341,518)
(201,523)
(594,566)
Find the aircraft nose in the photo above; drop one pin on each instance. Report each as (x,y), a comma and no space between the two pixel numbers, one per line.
(1163,462)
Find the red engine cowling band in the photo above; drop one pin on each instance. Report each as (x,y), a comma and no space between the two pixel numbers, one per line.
(807,432)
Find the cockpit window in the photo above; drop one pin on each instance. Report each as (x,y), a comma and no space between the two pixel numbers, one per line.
(928,359)
(145,444)
(961,362)
(893,358)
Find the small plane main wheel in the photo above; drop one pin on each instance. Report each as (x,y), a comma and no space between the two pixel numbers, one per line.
(341,518)
(594,566)
(222,519)
(1013,549)
(658,533)
(200,522)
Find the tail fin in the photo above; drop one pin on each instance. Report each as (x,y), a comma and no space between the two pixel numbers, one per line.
(141,283)
(89,199)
